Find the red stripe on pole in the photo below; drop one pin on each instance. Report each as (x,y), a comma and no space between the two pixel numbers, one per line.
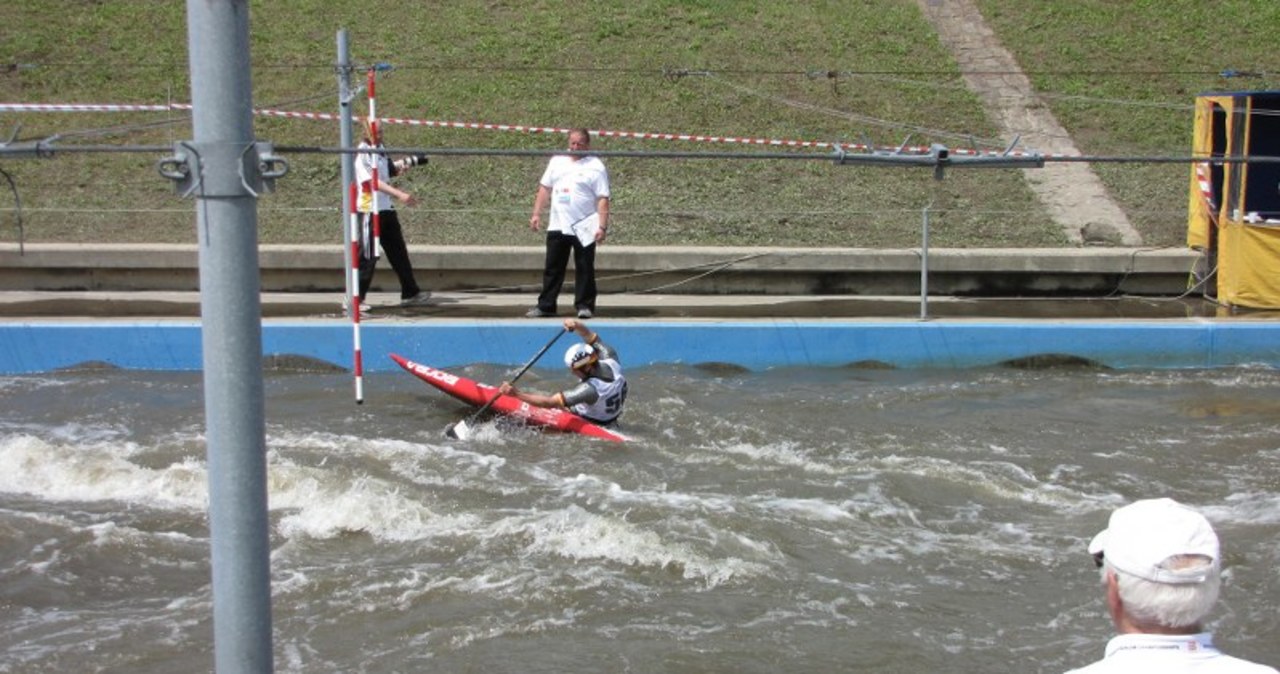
(376,246)
(357,360)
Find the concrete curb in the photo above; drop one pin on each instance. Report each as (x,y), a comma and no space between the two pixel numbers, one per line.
(1037,272)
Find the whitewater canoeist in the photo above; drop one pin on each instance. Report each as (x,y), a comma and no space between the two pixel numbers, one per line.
(602,389)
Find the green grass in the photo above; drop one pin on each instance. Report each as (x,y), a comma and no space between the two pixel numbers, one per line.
(1151,57)
(608,65)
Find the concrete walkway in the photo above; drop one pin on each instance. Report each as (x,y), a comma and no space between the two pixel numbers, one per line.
(154,281)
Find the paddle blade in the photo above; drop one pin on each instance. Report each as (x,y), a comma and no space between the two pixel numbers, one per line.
(459,431)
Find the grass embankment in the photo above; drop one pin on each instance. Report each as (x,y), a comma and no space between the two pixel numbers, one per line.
(809,71)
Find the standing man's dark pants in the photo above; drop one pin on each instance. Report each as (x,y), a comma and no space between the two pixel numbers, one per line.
(392,238)
(584,272)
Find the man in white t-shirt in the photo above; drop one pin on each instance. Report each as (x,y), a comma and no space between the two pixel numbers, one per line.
(1160,564)
(576,187)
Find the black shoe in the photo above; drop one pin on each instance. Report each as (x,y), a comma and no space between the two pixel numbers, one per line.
(538,313)
(418,300)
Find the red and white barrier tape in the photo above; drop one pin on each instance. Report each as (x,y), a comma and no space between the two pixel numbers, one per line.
(520,128)
(1206,188)
(82,107)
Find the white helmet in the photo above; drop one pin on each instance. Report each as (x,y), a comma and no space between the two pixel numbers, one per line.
(579,356)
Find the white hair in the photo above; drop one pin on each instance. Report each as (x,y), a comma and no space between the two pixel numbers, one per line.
(1170,604)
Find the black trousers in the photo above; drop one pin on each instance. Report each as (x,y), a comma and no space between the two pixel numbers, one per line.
(393,245)
(584,272)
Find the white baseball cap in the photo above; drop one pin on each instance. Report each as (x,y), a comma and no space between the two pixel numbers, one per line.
(1141,536)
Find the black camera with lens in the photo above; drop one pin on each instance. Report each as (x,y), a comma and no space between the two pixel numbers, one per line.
(402,164)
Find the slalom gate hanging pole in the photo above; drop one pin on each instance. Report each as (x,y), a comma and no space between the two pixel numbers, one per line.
(357,361)
(376,132)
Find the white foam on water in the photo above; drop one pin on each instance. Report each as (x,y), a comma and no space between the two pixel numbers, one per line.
(112,533)
(72,432)
(382,448)
(440,463)
(763,457)
(612,495)
(811,509)
(1245,508)
(1237,379)
(97,472)
(35,382)
(1001,479)
(326,503)
(577,534)
(497,627)
(322,503)
(811,613)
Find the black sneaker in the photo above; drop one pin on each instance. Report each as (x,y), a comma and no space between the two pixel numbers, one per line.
(418,300)
(538,313)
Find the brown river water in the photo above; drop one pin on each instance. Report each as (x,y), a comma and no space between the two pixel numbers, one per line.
(801,520)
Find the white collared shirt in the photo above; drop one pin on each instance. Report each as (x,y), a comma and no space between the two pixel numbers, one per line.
(1168,654)
(576,185)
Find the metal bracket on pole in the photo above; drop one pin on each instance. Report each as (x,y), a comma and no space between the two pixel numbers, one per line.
(941,158)
(178,168)
(258,168)
(27,148)
(838,153)
(270,166)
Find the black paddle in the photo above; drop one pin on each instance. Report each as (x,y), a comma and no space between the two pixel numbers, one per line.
(462,429)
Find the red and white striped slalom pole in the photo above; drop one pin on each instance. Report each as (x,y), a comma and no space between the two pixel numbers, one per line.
(374,251)
(357,363)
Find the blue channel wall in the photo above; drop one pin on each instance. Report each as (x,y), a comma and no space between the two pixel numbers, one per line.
(168,345)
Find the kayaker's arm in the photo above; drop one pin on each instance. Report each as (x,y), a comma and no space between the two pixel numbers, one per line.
(539,399)
(592,339)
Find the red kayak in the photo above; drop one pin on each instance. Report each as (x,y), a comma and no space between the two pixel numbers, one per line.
(475,393)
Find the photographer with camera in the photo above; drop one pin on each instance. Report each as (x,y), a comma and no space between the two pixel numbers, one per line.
(380,201)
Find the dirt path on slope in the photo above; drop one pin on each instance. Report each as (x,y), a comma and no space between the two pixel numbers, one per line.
(1072,193)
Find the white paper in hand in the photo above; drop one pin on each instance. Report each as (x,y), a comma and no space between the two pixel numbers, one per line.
(586,228)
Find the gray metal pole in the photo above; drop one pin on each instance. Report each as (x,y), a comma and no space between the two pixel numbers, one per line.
(348,164)
(924,263)
(230,306)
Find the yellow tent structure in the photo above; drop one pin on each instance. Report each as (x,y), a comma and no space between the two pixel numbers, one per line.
(1234,211)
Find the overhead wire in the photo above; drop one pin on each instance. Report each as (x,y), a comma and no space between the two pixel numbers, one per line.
(1226,73)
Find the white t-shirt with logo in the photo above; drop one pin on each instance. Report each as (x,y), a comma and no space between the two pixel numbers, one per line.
(575,187)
